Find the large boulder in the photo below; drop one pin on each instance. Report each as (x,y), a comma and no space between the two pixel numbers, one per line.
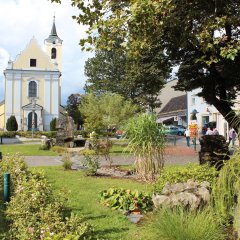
(189,195)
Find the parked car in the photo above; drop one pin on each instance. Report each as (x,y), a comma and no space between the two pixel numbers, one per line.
(174,130)
(181,126)
(210,125)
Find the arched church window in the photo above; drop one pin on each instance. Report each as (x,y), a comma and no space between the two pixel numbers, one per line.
(32,89)
(54,53)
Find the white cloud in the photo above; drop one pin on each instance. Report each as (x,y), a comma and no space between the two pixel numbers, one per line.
(22,19)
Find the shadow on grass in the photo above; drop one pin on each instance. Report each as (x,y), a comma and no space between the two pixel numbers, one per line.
(104,232)
(87,217)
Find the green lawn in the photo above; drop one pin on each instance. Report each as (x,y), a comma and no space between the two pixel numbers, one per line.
(119,149)
(25,150)
(108,224)
(33,150)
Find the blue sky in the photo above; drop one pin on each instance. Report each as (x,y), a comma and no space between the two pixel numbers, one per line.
(20,20)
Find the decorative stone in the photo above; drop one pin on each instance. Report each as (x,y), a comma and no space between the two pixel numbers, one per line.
(160,200)
(167,189)
(190,184)
(203,193)
(134,218)
(205,184)
(190,195)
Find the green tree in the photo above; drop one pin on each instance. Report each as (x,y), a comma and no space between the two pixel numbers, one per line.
(73,103)
(201,37)
(106,110)
(12,124)
(53,124)
(138,78)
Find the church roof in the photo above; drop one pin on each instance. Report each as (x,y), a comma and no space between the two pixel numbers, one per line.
(53,35)
(33,51)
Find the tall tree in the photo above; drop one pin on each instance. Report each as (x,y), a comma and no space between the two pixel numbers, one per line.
(73,103)
(105,110)
(201,36)
(139,79)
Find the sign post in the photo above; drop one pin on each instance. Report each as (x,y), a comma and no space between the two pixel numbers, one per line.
(193,128)
(6,190)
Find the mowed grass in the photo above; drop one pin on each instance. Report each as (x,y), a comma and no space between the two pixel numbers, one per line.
(33,150)
(25,150)
(119,149)
(83,196)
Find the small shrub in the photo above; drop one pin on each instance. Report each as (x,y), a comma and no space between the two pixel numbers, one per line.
(12,124)
(103,147)
(44,147)
(199,173)
(16,166)
(10,134)
(35,211)
(179,224)
(126,200)
(91,162)
(67,162)
(59,149)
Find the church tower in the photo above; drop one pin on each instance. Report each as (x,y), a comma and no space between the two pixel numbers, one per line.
(53,47)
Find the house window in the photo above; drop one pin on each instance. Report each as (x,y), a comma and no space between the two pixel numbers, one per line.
(54,53)
(193,100)
(33,62)
(32,89)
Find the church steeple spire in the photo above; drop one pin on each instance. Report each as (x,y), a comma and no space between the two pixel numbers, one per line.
(53,37)
(53,31)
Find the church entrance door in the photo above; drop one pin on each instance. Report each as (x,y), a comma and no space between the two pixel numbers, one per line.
(32,123)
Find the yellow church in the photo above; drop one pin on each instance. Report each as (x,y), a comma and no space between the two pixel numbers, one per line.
(33,85)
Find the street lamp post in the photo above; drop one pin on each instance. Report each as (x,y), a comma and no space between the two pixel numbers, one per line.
(33,113)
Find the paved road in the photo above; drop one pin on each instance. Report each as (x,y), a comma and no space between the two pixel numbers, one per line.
(176,155)
(179,154)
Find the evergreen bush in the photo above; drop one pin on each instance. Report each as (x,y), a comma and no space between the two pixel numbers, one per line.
(12,124)
(53,124)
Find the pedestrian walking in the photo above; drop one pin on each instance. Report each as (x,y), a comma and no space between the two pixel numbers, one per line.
(187,135)
(215,132)
(232,136)
(209,132)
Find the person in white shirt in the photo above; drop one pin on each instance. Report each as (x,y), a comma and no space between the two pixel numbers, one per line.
(215,131)
(187,135)
(209,132)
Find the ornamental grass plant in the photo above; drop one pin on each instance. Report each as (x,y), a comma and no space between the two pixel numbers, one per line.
(147,143)
(180,224)
(226,189)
